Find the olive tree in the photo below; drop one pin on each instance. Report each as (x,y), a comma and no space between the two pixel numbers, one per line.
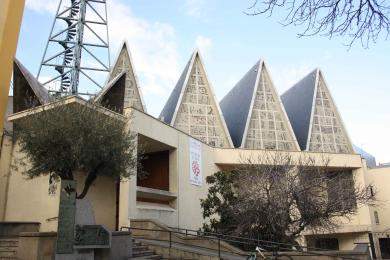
(63,140)
(276,198)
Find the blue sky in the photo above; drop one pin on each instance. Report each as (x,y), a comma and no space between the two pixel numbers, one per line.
(163,33)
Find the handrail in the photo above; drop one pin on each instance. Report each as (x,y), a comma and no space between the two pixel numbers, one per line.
(171,242)
(217,238)
(251,239)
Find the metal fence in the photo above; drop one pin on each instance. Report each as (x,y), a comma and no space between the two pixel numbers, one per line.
(271,249)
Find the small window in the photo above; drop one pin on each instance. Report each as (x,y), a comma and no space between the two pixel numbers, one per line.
(327,243)
(372,192)
(376,217)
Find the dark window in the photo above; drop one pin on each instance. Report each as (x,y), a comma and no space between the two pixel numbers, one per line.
(372,192)
(156,166)
(376,217)
(327,243)
(384,244)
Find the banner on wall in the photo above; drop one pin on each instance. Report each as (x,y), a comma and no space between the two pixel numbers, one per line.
(196,177)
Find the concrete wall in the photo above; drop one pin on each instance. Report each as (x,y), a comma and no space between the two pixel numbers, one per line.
(11,13)
(380,179)
(41,246)
(37,246)
(29,200)
(186,212)
(102,195)
(5,162)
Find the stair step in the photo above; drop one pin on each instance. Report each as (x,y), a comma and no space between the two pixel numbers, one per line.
(9,240)
(147,257)
(8,249)
(8,243)
(143,253)
(8,254)
(140,248)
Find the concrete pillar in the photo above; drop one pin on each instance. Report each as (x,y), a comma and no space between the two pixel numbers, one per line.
(11,12)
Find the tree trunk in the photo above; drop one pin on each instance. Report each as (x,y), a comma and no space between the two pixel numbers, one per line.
(90,179)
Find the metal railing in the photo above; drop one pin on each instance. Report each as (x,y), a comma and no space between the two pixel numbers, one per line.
(269,247)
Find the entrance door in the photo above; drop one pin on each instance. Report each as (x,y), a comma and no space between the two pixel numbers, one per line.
(384,244)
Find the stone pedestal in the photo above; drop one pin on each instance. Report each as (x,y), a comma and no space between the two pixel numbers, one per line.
(82,221)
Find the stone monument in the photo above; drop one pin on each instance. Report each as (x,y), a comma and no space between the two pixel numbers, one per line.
(78,235)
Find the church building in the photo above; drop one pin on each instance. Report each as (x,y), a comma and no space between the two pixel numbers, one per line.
(195,136)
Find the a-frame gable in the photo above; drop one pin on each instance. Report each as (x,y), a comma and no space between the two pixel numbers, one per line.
(267,125)
(235,105)
(112,95)
(123,63)
(327,132)
(196,111)
(27,91)
(298,103)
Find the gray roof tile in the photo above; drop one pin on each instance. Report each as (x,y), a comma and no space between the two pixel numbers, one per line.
(298,102)
(236,104)
(166,114)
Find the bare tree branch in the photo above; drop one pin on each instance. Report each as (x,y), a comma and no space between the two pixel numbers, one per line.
(276,197)
(363,20)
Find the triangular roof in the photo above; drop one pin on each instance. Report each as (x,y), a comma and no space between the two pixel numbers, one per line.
(171,110)
(241,108)
(168,110)
(27,89)
(315,117)
(298,102)
(108,86)
(124,62)
(235,105)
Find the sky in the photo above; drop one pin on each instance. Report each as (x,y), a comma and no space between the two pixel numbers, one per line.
(162,34)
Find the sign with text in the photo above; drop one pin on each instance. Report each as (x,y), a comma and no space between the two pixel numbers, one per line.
(196,177)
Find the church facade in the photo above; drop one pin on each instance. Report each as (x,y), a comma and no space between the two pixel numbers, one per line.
(194,137)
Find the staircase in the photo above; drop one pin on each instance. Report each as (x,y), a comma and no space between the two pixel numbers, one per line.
(8,248)
(141,251)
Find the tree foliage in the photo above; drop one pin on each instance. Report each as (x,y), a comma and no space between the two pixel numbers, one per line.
(364,20)
(276,198)
(68,139)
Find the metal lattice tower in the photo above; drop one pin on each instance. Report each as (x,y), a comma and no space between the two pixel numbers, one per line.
(77,51)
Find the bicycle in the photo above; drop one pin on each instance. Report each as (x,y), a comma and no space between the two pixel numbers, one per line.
(275,255)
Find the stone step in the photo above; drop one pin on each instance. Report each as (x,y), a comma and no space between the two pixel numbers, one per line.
(8,254)
(139,248)
(143,253)
(8,248)
(9,242)
(147,257)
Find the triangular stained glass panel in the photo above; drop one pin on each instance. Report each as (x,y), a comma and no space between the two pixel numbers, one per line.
(268,124)
(327,131)
(198,114)
(132,94)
